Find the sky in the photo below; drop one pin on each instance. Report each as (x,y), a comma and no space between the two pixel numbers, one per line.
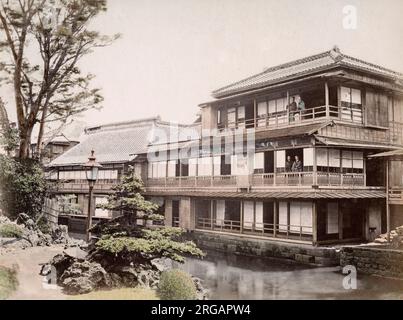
(173,53)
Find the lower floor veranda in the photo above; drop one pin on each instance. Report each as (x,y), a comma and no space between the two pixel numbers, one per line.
(314,221)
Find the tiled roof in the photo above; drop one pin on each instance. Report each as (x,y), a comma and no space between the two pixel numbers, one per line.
(118,142)
(300,67)
(281,194)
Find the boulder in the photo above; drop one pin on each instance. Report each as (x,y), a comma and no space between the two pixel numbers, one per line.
(84,277)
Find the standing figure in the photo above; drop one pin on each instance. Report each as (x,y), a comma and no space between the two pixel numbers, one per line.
(288,164)
(297,165)
(292,108)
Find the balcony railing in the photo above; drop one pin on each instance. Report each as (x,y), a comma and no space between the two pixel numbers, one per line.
(256,228)
(82,185)
(266,179)
(286,118)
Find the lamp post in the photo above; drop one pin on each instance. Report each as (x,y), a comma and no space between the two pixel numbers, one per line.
(91,170)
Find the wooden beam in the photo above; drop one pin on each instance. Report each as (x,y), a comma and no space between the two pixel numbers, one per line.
(387,200)
(275,209)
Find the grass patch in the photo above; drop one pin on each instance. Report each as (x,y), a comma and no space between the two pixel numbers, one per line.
(8,282)
(119,294)
(10,230)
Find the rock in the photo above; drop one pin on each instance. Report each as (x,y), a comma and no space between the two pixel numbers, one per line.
(201,292)
(45,270)
(159,265)
(76,253)
(84,277)
(380,240)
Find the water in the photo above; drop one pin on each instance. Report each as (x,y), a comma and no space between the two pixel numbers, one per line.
(236,277)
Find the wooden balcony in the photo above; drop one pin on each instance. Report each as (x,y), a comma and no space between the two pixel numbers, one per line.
(81,186)
(298,179)
(286,118)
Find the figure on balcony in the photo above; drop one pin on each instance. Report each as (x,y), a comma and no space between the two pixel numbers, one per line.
(297,165)
(292,108)
(288,164)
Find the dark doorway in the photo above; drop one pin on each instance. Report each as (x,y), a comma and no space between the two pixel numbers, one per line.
(268,162)
(375,171)
(175,212)
(268,214)
(249,115)
(233,210)
(225,165)
(353,220)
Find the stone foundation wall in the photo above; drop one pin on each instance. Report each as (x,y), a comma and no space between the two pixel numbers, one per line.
(249,246)
(371,260)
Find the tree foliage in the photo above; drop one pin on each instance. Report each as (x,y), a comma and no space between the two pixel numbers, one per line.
(22,186)
(124,239)
(46,40)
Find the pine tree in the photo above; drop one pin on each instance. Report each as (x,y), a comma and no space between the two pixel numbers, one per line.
(124,241)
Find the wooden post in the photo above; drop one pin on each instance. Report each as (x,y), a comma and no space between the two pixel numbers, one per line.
(275,168)
(327,99)
(275,208)
(387,201)
(212,214)
(254,113)
(340,222)
(242,217)
(315,166)
(314,223)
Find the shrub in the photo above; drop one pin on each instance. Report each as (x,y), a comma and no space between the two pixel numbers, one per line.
(8,282)
(176,284)
(10,230)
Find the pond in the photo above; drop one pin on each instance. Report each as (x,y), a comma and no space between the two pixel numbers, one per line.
(238,277)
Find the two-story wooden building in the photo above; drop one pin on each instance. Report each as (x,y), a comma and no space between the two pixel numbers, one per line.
(307,129)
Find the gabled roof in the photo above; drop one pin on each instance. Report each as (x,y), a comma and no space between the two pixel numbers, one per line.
(118,142)
(309,65)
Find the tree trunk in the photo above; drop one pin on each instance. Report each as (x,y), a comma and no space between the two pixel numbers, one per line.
(39,147)
(25,143)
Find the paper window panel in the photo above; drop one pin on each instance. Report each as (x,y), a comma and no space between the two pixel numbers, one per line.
(280,157)
(295,216)
(150,170)
(332,218)
(272,106)
(262,108)
(345,94)
(334,158)
(308,157)
(192,167)
(306,217)
(248,214)
(281,105)
(282,216)
(231,115)
(241,113)
(162,169)
(358,160)
(220,211)
(321,157)
(217,165)
(259,215)
(356,96)
(347,161)
(171,168)
(259,161)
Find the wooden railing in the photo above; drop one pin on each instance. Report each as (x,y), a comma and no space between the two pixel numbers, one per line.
(396,194)
(286,118)
(265,179)
(82,185)
(259,228)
